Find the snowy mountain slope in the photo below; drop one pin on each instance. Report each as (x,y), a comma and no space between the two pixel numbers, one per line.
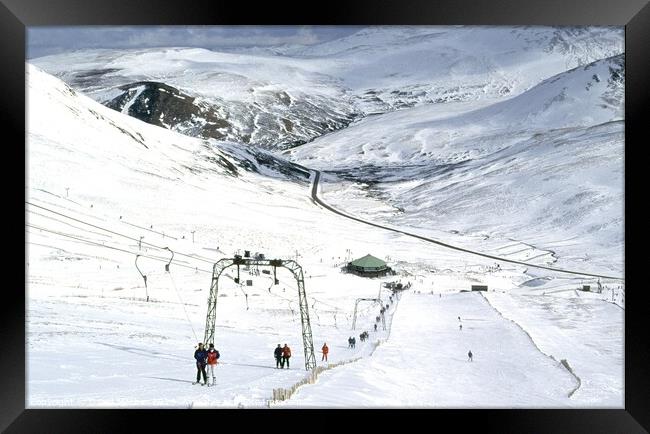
(393,67)
(104,187)
(550,158)
(505,366)
(93,340)
(260,100)
(584,96)
(287,96)
(91,334)
(548,323)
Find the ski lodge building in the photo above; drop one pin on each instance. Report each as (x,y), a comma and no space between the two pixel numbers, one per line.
(368,266)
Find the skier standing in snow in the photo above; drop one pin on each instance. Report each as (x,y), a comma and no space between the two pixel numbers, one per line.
(460,326)
(213,355)
(469,355)
(278,356)
(286,354)
(201,356)
(325,351)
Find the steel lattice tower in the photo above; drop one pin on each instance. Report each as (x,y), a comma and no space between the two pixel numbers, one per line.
(294,267)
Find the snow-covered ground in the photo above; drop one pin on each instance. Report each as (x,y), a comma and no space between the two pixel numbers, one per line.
(283,96)
(545,167)
(104,187)
(425,363)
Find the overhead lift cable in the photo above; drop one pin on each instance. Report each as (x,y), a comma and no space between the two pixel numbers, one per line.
(171,278)
(197,257)
(115,248)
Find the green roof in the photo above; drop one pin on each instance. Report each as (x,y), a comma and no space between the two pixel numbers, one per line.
(368,261)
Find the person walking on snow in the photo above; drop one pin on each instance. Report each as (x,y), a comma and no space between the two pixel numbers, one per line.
(201,355)
(460,326)
(325,351)
(469,355)
(213,355)
(286,354)
(278,356)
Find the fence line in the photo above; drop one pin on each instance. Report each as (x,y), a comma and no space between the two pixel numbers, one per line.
(282,394)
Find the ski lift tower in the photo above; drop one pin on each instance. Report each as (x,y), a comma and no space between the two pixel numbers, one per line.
(296,270)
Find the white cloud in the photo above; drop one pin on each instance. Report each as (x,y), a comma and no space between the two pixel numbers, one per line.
(42,41)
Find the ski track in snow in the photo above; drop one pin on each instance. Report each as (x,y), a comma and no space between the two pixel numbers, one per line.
(94,342)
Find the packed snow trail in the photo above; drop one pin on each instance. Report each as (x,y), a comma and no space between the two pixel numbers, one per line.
(319,201)
(585,331)
(426,355)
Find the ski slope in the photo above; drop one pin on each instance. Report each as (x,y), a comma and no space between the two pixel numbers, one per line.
(109,198)
(425,364)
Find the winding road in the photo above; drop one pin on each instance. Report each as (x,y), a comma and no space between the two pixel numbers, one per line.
(317,200)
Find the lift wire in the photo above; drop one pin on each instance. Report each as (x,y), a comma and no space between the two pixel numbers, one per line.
(126,236)
(66,223)
(314,298)
(157,258)
(166,261)
(121,235)
(147,243)
(167,266)
(196,339)
(150,230)
(116,248)
(137,255)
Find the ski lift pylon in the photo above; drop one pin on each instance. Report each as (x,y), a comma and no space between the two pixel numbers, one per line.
(170,259)
(143,276)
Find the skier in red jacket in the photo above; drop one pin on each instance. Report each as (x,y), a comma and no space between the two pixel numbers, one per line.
(213,355)
(286,354)
(325,351)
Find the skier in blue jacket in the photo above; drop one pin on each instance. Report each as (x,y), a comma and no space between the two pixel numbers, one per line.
(201,356)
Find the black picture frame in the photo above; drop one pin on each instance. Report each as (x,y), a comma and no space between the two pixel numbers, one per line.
(16,15)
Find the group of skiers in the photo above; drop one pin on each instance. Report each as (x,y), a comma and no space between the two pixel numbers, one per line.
(282,356)
(205,358)
(209,358)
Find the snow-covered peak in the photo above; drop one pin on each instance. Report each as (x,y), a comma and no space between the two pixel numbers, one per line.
(286,96)
(542,195)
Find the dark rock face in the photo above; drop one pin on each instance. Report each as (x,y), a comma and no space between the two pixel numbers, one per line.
(165,106)
(277,122)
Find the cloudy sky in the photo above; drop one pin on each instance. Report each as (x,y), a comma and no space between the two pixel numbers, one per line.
(42,41)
